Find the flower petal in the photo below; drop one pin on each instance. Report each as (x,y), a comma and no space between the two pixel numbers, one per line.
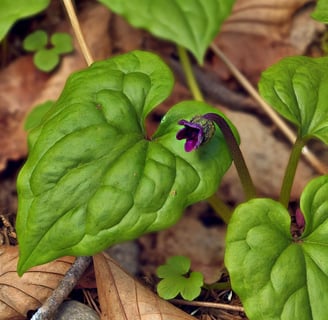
(196,132)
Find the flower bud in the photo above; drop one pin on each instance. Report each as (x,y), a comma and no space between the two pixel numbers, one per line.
(197,131)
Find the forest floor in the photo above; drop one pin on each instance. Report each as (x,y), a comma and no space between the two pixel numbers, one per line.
(253,38)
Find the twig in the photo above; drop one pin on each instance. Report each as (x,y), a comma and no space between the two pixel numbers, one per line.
(314,162)
(78,32)
(91,302)
(208,305)
(66,285)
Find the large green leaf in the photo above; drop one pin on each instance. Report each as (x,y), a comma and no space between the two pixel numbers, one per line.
(296,87)
(192,24)
(93,178)
(11,11)
(321,11)
(275,275)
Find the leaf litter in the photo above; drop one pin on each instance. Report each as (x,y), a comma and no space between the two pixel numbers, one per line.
(20,91)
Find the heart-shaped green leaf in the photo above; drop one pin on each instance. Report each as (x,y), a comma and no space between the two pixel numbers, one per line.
(11,11)
(296,87)
(93,178)
(275,275)
(191,24)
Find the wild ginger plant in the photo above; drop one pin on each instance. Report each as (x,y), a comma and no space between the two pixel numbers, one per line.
(94,177)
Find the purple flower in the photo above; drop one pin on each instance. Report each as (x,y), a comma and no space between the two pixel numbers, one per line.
(197,131)
(300,221)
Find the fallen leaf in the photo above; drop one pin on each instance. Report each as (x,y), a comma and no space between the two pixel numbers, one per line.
(273,17)
(20,83)
(266,32)
(122,297)
(19,295)
(125,37)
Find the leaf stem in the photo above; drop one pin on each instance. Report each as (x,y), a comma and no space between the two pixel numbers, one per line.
(190,78)
(290,171)
(239,161)
(223,211)
(218,286)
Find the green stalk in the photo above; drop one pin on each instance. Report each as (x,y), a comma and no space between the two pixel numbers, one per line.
(290,171)
(237,156)
(190,78)
(218,286)
(222,210)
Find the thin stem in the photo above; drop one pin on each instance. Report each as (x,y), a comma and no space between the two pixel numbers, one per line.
(239,161)
(192,83)
(78,32)
(220,208)
(216,203)
(290,171)
(208,305)
(218,286)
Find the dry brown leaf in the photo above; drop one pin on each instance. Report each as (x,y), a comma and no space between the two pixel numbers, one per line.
(259,33)
(20,294)
(22,87)
(124,36)
(122,297)
(272,17)
(19,85)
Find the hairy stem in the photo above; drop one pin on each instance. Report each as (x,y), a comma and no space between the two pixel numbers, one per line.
(290,171)
(243,173)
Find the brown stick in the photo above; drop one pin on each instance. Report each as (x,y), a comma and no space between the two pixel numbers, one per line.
(66,285)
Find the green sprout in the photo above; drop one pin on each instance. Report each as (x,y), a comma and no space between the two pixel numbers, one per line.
(46,56)
(177,278)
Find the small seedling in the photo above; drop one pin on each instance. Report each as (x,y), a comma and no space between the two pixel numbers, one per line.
(177,278)
(46,56)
